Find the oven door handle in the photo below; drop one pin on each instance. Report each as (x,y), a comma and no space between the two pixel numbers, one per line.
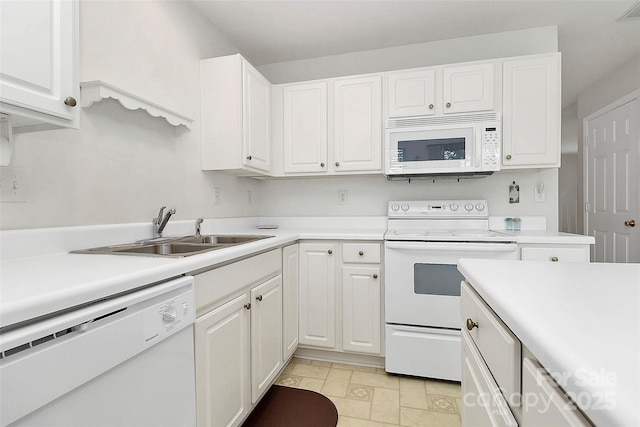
(445,246)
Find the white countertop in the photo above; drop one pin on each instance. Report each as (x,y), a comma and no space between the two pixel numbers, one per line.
(580,320)
(549,237)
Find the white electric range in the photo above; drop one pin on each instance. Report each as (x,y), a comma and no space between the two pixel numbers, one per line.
(423,243)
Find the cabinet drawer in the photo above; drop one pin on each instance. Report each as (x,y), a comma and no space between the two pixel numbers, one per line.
(544,403)
(483,404)
(579,254)
(499,347)
(361,252)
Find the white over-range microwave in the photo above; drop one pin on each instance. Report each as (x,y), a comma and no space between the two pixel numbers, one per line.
(462,146)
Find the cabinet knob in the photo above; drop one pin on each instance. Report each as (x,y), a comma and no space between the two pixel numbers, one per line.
(248,157)
(375,276)
(630,223)
(329,251)
(322,164)
(247,306)
(471,324)
(361,253)
(70,101)
(259,297)
(554,259)
(337,163)
(448,105)
(508,156)
(430,106)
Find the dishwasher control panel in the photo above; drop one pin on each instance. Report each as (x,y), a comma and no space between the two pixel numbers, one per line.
(169,316)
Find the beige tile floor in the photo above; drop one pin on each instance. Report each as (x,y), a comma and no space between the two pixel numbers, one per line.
(369,397)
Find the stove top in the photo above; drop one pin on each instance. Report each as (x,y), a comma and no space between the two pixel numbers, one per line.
(441,221)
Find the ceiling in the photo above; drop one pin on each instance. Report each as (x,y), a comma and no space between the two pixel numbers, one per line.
(592,41)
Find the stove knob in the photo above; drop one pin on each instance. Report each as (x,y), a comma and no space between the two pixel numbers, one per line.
(468,207)
(395,207)
(480,206)
(405,207)
(454,207)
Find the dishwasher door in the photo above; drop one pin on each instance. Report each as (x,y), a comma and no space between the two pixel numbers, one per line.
(125,361)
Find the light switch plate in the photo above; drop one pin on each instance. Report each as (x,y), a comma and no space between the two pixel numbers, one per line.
(14,187)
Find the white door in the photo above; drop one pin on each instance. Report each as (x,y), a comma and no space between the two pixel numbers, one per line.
(222,364)
(317,294)
(266,335)
(289,300)
(37,59)
(358,124)
(611,181)
(305,128)
(256,99)
(468,88)
(411,93)
(361,309)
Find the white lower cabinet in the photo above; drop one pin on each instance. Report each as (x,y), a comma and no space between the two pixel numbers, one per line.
(555,253)
(499,389)
(340,296)
(290,295)
(238,337)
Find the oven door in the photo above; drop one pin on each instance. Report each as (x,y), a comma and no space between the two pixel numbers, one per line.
(422,282)
(447,149)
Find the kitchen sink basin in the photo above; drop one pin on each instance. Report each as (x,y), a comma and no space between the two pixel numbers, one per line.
(176,247)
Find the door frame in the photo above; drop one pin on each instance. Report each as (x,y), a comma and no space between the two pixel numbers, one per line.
(635,95)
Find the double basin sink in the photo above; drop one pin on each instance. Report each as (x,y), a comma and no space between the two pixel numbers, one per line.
(176,247)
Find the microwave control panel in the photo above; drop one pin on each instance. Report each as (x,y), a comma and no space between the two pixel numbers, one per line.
(491,143)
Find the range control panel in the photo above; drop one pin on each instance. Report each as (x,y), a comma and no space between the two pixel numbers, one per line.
(438,209)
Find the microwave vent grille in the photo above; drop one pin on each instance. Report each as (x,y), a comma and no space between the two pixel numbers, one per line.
(410,122)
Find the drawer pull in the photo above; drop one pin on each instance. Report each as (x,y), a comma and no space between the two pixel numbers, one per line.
(375,276)
(471,324)
(361,253)
(329,251)
(554,259)
(259,297)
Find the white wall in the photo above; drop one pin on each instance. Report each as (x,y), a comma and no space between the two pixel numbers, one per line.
(622,81)
(369,195)
(122,165)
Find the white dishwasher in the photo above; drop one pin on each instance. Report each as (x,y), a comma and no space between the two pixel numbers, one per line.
(123,361)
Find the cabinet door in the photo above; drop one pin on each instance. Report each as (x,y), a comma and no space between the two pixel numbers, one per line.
(411,93)
(468,88)
(483,404)
(38,59)
(256,99)
(358,124)
(317,294)
(531,112)
(305,128)
(290,270)
(361,309)
(266,335)
(222,364)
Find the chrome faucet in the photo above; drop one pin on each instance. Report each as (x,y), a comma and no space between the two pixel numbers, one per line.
(198,224)
(159,223)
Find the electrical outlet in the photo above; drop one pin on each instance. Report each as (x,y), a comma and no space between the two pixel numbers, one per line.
(13,185)
(539,195)
(343,197)
(216,195)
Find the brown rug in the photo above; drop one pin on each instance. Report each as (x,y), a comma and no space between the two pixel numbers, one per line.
(293,407)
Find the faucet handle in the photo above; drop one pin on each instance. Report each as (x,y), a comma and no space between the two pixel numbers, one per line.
(198,223)
(158,220)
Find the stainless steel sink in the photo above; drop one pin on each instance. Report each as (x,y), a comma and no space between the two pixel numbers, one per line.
(175,247)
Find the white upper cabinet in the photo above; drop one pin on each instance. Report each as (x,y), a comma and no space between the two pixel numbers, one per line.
(468,87)
(328,127)
(305,127)
(531,112)
(357,124)
(411,93)
(451,89)
(39,63)
(236,102)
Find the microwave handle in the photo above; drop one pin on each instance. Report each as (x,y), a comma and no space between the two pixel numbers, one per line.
(439,246)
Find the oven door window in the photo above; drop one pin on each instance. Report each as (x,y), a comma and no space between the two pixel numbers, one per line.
(437,279)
